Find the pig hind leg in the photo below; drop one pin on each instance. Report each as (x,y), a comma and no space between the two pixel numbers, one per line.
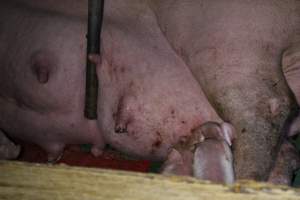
(288,159)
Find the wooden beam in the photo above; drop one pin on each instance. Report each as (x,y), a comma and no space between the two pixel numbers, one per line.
(35,181)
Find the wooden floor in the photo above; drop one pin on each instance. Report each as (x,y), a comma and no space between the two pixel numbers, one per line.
(38,181)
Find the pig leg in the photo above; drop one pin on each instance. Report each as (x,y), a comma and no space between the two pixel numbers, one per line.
(288,160)
(8,150)
(206,154)
(238,69)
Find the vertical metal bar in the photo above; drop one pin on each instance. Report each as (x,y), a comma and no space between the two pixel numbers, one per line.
(95,18)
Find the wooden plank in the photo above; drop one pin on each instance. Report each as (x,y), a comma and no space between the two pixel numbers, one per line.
(35,181)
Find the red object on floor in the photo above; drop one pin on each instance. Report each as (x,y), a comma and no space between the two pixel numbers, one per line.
(74,156)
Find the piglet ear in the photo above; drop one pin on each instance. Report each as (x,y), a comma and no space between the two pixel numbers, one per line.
(228,132)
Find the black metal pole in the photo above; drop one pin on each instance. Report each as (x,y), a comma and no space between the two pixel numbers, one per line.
(95,18)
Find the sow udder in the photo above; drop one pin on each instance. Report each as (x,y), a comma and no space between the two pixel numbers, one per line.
(148,98)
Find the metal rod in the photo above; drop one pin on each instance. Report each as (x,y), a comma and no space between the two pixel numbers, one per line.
(95,18)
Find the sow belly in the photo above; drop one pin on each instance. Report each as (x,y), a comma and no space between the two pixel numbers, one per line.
(148,98)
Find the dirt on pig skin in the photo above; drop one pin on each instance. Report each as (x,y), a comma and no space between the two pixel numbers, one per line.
(154,98)
(148,98)
(234,49)
(206,154)
(161,60)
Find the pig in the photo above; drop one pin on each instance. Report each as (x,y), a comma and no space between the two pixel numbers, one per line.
(148,97)
(288,159)
(166,68)
(234,49)
(205,154)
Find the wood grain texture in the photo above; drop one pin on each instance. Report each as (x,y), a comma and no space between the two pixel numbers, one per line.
(35,181)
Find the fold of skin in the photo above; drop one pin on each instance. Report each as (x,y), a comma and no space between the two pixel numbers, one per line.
(232,47)
(148,97)
(234,50)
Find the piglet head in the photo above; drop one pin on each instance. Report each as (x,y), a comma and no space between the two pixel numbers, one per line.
(214,130)
(213,157)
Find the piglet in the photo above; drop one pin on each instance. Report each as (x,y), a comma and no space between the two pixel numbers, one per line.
(206,154)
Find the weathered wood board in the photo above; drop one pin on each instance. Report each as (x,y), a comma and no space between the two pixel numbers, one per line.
(34,181)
